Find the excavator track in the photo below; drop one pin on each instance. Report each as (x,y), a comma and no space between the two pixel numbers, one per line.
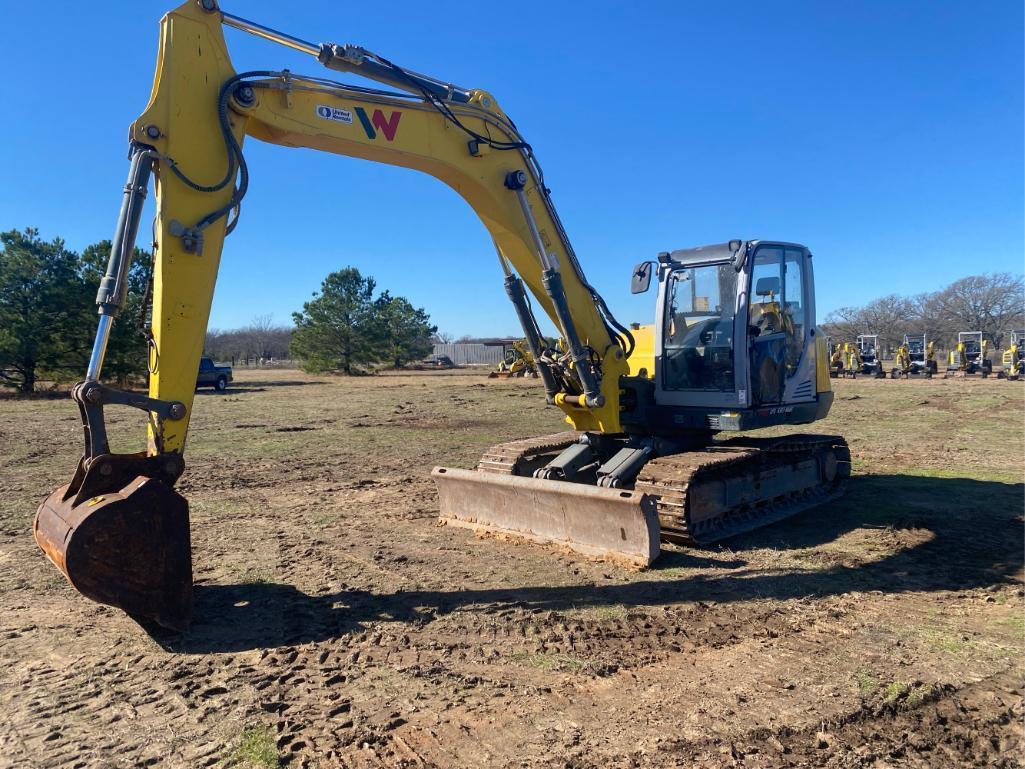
(509,458)
(719,491)
(743,484)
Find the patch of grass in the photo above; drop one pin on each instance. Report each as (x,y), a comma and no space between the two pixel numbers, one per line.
(943,641)
(867,683)
(894,691)
(1011,477)
(247,574)
(1017,623)
(916,697)
(597,613)
(256,749)
(558,663)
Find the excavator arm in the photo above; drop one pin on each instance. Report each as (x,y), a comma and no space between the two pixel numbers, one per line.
(119,531)
(193,129)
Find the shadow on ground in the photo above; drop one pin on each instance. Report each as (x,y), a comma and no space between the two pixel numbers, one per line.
(976,536)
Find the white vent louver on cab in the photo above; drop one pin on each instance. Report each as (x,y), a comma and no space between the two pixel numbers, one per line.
(804,390)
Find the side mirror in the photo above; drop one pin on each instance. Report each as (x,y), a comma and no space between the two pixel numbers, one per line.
(641,278)
(739,254)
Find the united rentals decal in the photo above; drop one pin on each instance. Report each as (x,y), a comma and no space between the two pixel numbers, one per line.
(334,113)
(371,124)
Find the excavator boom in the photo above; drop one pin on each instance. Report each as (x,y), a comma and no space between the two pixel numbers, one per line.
(119,530)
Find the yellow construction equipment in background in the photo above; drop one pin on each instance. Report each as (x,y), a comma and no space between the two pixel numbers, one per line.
(970,357)
(837,359)
(1013,358)
(901,362)
(916,356)
(518,362)
(870,358)
(852,360)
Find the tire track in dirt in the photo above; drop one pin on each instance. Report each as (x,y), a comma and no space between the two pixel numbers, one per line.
(941,725)
(87,709)
(409,646)
(332,612)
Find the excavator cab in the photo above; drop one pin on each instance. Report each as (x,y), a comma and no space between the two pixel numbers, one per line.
(736,333)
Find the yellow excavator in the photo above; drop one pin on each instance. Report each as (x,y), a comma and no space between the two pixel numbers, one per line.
(518,362)
(1012,358)
(734,345)
(970,357)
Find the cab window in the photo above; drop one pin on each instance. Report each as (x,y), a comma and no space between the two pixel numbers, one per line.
(765,308)
(793,292)
(698,332)
(777,299)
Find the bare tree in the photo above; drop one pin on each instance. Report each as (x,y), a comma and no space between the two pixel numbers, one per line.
(260,329)
(843,323)
(890,317)
(990,303)
(993,304)
(241,343)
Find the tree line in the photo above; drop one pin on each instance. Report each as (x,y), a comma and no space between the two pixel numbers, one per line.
(346,327)
(48,311)
(992,303)
(261,339)
(48,319)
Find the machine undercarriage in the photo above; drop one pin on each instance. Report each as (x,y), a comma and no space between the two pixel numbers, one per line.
(694,497)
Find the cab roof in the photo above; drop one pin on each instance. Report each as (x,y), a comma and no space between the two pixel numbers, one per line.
(723,251)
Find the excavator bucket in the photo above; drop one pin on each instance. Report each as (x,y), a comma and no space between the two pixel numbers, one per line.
(613,524)
(128,547)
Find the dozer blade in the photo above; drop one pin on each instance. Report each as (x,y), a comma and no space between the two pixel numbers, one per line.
(615,524)
(128,548)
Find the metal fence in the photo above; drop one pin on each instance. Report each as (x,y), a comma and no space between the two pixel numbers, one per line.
(467,354)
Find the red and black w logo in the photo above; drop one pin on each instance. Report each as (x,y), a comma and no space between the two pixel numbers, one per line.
(386,125)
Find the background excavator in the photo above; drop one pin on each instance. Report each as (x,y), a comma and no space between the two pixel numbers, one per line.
(970,357)
(518,362)
(1013,358)
(870,362)
(916,355)
(734,345)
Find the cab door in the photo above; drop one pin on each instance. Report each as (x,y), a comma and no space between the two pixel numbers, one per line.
(697,337)
(781,325)
(765,326)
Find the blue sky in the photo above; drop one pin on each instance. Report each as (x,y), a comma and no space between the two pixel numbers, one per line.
(886,136)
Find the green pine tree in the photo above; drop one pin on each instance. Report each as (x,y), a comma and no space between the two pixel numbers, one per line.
(42,295)
(406,331)
(126,349)
(338,330)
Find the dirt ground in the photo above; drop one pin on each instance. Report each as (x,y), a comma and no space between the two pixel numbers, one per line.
(337,624)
